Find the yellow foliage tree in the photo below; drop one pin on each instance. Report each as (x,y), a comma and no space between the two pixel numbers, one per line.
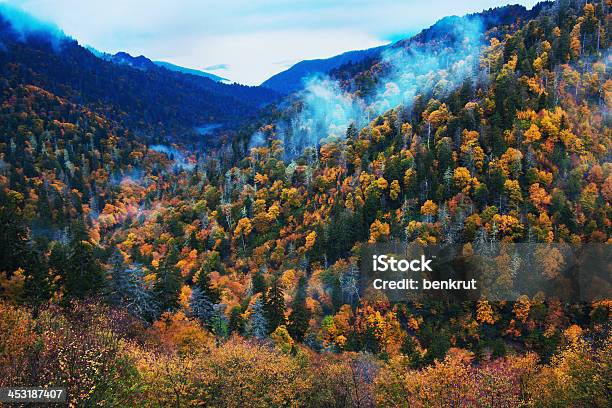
(310,240)
(484,312)
(532,134)
(429,209)
(378,231)
(395,190)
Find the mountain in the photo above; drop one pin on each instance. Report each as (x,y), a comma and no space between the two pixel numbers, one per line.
(191,71)
(143,63)
(123,58)
(132,90)
(292,79)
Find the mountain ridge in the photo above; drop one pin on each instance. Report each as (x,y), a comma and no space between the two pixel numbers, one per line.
(291,79)
(130,89)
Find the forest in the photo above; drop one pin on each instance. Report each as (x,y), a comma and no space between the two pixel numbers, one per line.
(139,268)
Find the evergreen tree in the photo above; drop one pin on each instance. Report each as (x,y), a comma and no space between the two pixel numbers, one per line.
(219,324)
(259,283)
(258,324)
(351,131)
(13,233)
(203,283)
(82,274)
(202,308)
(118,277)
(236,321)
(409,349)
(275,306)
(38,287)
(300,315)
(16,251)
(168,282)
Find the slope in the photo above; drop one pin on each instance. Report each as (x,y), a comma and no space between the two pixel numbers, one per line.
(152,100)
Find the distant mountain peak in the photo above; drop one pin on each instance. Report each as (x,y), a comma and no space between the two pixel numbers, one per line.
(197,72)
(141,62)
(144,64)
(292,79)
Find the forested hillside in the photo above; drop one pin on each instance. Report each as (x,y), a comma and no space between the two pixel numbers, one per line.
(151,101)
(137,271)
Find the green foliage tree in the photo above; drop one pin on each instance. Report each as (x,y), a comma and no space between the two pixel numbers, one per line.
(274,306)
(168,281)
(300,315)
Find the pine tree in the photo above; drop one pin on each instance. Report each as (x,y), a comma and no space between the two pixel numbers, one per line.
(300,315)
(13,233)
(168,282)
(349,281)
(218,323)
(38,286)
(236,321)
(351,131)
(118,277)
(202,308)
(82,274)
(258,324)
(16,251)
(259,283)
(203,283)
(275,306)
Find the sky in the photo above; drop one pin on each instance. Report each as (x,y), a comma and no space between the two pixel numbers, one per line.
(246,41)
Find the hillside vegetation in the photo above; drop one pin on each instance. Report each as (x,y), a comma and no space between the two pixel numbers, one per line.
(137,271)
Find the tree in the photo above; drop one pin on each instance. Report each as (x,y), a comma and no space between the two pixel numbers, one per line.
(310,240)
(532,134)
(201,306)
(118,277)
(205,286)
(242,230)
(282,339)
(168,281)
(429,210)
(299,318)
(258,324)
(395,190)
(513,190)
(379,231)
(539,197)
(274,306)
(14,234)
(462,178)
(128,289)
(16,252)
(236,321)
(259,283)
(484,312)
(82,274)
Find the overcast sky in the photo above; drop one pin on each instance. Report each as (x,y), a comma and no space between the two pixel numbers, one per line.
(244,40)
